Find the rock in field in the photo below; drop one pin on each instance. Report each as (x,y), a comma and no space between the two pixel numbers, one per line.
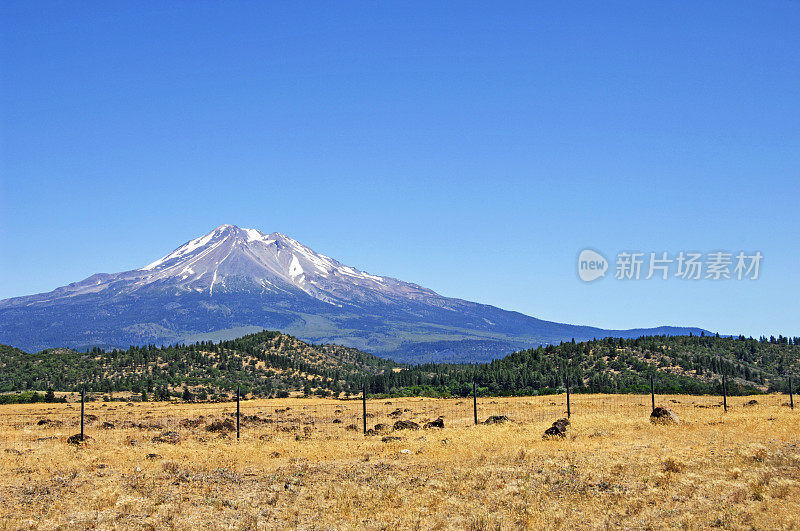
(191,423)
(78,439)
(406,425)
(553,431)
(664,415)
(170,437)
(496,419)
(438,423)
(222,425)
(558,429)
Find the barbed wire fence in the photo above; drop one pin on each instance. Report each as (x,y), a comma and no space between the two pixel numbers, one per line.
(305,418)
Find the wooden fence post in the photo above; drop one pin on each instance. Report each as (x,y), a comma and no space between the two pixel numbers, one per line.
(237,412)
(791,395)
(724,393)
(364,406)
(566,381)
(474,402)
(83,399)
(653,392)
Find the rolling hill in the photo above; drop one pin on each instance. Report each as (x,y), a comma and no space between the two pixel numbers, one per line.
(275,364)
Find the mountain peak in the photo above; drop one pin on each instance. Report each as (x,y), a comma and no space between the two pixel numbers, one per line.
(233,258)
(220,234)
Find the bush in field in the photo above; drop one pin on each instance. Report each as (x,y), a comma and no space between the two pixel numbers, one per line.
(27,397)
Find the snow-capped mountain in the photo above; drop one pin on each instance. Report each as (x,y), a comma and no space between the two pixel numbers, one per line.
(231,259)
(271,262)
(233,280)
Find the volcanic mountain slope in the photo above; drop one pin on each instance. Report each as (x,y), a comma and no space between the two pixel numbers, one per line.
(232,281)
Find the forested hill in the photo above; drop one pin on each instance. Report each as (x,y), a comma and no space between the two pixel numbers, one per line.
(679,364)
(263,364)
(275,364)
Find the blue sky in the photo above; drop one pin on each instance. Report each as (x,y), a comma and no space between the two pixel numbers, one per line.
(471,148)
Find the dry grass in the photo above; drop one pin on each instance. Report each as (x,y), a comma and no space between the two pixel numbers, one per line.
(300,469)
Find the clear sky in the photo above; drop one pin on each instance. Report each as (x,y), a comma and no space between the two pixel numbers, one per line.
(469,147)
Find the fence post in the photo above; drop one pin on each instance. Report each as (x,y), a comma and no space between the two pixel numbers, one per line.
(83,399)
(724,393)
(237,412)
(474,402)
(364,406)
(791,395)
(653,392)
(566,384)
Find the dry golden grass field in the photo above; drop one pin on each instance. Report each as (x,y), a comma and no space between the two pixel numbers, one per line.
(308,468)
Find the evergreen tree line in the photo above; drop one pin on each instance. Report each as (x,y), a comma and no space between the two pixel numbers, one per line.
(269,364)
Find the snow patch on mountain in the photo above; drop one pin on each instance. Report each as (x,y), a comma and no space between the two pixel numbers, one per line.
(183,250)
(295,269)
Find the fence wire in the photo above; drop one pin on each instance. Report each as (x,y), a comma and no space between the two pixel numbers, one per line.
(37,424)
